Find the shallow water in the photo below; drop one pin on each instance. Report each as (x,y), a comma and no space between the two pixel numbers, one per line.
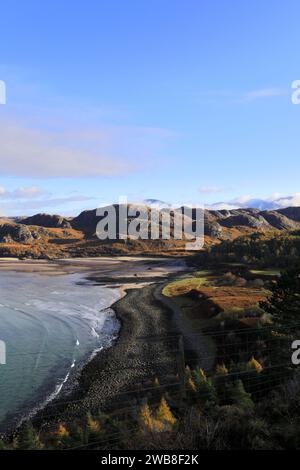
(50,324)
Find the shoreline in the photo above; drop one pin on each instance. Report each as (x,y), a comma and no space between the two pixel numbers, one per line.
(108,379)
(97,381)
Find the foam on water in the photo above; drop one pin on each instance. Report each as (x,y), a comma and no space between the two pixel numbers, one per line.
(50,324)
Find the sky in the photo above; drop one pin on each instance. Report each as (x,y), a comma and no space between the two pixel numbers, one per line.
(185,102)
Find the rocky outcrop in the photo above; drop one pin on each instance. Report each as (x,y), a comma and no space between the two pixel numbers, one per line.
(213,229)
(280,221)
(10,233)
(246,220)
(46,220)
(86,221)
(292,213)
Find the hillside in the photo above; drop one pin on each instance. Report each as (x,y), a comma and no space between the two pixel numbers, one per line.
(52,236)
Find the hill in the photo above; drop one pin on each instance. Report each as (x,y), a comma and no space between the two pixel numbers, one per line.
(45,235)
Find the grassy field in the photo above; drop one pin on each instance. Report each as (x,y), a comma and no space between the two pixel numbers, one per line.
(183,286)
(202,297)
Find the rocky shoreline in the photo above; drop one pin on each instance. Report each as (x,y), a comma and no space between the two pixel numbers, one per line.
(108,380)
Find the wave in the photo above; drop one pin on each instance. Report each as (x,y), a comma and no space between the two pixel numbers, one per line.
(52,336)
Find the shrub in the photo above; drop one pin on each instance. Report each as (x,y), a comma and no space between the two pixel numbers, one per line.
(28,438)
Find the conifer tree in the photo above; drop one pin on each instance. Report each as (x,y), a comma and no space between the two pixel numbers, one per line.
(149,423)
(2,445)
(62,436)
(93,425)
(164,414)
(62,431)
(221,370)
(28,438)
(284,303)
(253,364)
(205,387)
(191,385)
(238,395)
(156,382)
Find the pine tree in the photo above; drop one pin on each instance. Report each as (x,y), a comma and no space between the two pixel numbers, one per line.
(148,422)
(191,385)
(188,372)
(221,370)
(62,431)
(238,395)
(205,387)
(93,426)
(62,436)
(2,445)
(284,303)
(28,438)
(164,414)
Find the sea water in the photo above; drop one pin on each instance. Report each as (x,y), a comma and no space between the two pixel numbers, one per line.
(50,324)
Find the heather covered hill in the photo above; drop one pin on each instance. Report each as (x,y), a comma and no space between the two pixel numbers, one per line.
(32,241)
(283,219)
(44,235)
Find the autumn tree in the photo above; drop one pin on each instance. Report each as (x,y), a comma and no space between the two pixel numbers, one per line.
(165,415)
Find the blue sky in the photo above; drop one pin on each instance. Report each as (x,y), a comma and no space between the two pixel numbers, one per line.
(179,101)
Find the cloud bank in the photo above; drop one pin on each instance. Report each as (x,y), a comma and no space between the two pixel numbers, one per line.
(276,201)
(79,152)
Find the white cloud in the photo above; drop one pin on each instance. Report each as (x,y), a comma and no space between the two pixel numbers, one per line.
(31,192)
(104,151)
(42,153)
(264,93)
(247,96)
(32,199)
(275,201)
(292,201)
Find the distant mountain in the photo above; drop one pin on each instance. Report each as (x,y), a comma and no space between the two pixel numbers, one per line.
(45,235)
(216,223)
(215,220)
(156,203)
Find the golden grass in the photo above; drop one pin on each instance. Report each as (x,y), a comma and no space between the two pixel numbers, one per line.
(265,272)
(183,286)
